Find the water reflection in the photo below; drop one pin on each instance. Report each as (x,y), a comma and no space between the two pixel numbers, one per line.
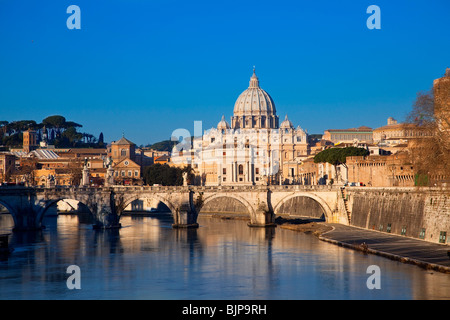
(222,259)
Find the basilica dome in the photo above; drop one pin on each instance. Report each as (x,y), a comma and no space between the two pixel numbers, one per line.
(254,108)
(254,100)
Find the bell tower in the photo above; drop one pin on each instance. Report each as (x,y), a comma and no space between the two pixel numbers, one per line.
(29,140)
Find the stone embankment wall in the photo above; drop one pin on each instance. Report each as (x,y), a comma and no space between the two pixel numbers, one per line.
(422,213)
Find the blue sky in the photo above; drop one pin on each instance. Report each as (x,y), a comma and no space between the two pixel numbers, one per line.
(148,67)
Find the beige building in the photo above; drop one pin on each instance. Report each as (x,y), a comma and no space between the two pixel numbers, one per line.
(394,133)
(382,171)
(126,162)
(254,149)
(361,134)
(29,140)
(7,166)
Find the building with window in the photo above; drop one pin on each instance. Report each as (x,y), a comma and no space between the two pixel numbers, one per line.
(126,162)
(7,166)
(361,134)
(254,149)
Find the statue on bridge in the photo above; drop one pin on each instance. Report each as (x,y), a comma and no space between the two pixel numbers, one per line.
(185,177)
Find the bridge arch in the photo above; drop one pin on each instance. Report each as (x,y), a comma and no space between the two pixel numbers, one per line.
(46,204)
(322,203)
(240,199)
(128,200)
(10,209)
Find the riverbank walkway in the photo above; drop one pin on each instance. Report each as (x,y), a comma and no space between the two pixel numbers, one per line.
(432,256)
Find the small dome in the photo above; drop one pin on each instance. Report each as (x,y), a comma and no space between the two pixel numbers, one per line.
(286,124)
(223,124)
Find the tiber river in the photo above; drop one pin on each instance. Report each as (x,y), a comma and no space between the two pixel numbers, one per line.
(222,259)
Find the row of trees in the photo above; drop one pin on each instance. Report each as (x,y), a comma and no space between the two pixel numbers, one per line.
(57,129)
(165,175)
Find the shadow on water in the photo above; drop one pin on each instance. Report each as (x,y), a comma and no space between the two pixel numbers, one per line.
(297,220)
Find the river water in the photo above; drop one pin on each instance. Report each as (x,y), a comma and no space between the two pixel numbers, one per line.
(222,259)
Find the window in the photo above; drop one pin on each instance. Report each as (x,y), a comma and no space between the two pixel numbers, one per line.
(136,173)
(123,152)
(241,169)
(129,173)
(122,173)
(213,139)
(224,171)
(422,234)
(442,236)
(403,230)
(257,170)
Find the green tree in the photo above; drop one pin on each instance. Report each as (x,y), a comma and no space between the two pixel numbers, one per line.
(163,174)
(56,122)
(338,156)
(101,142)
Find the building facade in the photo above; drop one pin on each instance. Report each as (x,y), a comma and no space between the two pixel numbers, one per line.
(254,149)
(126,162)
(361,134)
(7,166)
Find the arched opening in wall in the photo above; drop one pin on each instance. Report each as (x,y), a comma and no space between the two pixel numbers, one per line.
(66,214)
(223,207)
(6,219)
(147,209)
(301,207)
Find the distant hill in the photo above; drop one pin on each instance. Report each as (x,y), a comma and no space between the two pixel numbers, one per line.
(165,145)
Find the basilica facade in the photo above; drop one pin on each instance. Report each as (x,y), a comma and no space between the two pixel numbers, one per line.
(253,148)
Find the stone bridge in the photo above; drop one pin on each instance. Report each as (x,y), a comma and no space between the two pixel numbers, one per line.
(28,205)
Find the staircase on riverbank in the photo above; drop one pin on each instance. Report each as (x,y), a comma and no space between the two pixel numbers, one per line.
(343,195)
